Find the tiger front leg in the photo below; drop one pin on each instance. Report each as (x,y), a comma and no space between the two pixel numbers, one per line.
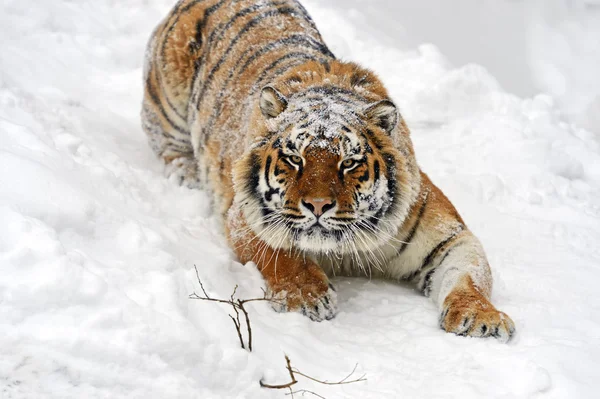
(461,286)
(294,284)
(298,285)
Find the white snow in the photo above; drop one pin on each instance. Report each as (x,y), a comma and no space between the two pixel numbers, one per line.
(563,45)
(97,248)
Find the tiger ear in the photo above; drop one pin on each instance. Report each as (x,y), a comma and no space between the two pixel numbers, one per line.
(272,102)
(383,114)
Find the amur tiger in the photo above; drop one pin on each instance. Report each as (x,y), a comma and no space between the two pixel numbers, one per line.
(308,161)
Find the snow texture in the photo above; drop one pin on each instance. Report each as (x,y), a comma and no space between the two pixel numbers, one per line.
(97,248)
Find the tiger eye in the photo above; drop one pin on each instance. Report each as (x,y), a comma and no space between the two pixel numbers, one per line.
(347,163)
(296,159)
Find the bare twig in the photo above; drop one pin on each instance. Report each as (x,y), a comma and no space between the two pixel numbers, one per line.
(283,386)
(341,382)
(294,371)
(239,332)
(305,391)
(243,309)
(200,281)
(237,305)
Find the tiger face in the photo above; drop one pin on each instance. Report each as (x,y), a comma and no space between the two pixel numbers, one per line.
(325,176)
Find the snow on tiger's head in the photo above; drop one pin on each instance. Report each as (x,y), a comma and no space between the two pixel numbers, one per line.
(332,168)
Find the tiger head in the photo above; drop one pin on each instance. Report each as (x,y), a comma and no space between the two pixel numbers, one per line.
(332,168)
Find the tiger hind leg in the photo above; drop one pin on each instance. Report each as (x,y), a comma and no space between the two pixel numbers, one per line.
(183,170)
(173,147)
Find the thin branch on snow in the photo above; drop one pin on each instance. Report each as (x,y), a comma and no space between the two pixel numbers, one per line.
(282,386)
(341,382)
(303,392)
(294,371)
(237,305)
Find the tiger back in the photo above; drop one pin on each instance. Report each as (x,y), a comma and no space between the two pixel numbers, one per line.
(204,64)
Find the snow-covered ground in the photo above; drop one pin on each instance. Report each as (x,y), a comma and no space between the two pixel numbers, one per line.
(97,248)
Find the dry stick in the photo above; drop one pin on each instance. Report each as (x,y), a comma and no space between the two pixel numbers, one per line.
(283,386)
(237,304)
(237,323)
(303,391)
(341,382)
(243,309)
(294,371)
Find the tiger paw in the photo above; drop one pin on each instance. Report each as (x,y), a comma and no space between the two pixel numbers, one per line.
(312,300)
(183,171)
(476,318)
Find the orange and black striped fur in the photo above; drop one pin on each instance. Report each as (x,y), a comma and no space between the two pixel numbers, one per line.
(308,161)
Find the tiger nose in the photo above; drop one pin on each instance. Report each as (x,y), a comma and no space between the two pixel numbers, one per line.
(318,206)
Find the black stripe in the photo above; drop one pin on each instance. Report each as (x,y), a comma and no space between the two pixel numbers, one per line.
(429,258)
(290,216)
(169,103)
(341,175)
(267,168)
(295,55)
(182,12)
(252,23)
(449,251)
(427,282)
(193,3)
(374,139)
(272,191)
(413,230)
(174,15)
(219,31)
(260,143)
(198,39)
(158,103)
(306,15)
(199,26)
(290,145)
(300,58)
(426,289)
(360,78)
(218,107)
(254,180)
(174,141)
(390,166)
(184,151)
(297,40)
(364,177)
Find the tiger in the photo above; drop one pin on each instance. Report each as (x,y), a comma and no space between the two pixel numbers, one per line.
(308,162)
